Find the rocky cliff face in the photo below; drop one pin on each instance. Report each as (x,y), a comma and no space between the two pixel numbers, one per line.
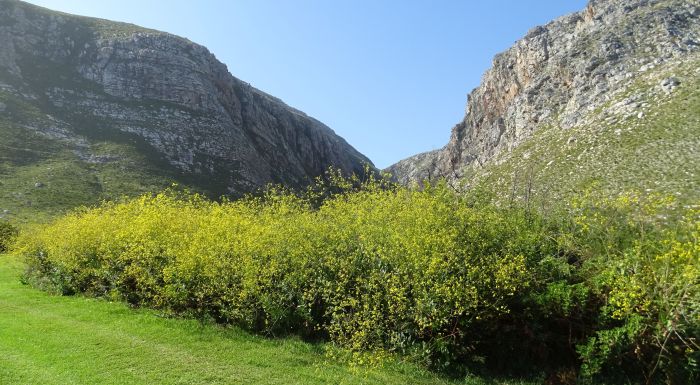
(562,75)
(88,80)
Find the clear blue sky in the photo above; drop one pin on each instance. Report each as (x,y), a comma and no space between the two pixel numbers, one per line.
(391,77)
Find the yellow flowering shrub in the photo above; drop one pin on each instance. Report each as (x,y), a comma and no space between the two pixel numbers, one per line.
(645,268)
(379,269)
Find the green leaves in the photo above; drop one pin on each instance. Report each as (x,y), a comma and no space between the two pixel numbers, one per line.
(8,233)
(380,270)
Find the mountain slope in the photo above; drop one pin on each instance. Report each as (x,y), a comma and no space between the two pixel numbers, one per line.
(92,109)
(606,96)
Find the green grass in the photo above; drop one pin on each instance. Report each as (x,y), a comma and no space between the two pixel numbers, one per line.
(47,339)
(71,340)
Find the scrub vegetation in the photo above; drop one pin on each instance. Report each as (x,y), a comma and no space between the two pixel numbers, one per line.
(597,289)
(52,340)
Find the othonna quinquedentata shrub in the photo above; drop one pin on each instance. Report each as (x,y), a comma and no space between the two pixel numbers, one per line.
(425,273)
(8,233)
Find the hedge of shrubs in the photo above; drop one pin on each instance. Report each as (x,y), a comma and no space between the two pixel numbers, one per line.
(8,233)
(601,288)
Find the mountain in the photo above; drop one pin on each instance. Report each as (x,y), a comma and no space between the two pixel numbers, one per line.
(607,98)
(92,109)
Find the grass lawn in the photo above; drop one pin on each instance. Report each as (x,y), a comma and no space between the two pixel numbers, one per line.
(47,339)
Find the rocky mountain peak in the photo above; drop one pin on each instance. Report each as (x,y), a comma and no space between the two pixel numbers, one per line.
(88,80)
(557,75)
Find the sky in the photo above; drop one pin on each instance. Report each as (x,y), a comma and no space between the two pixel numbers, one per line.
(390,76)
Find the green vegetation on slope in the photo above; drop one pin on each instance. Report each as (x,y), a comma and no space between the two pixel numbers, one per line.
(36,185)
(49,340)
(642,139)
(603,289)
(53,160)
(105,28)
(42,176)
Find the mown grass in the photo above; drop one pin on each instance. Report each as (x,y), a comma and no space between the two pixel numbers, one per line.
(47,339)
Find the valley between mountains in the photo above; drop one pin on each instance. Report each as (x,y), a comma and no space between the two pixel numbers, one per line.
(162,221)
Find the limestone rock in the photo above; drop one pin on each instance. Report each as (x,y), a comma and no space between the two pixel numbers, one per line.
(559,72)
(100,79)
(669,84)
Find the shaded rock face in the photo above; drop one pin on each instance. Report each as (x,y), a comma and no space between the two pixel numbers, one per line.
(99,79)
(556,75)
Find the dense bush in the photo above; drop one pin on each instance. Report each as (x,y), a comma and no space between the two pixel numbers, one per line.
(602,288)
(8,233)
(647,271)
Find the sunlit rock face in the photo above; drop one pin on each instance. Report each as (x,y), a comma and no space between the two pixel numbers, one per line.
(99,79)
(557,75)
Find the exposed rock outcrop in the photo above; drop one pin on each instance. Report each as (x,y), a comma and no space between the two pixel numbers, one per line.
(556,75)
(99,79)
